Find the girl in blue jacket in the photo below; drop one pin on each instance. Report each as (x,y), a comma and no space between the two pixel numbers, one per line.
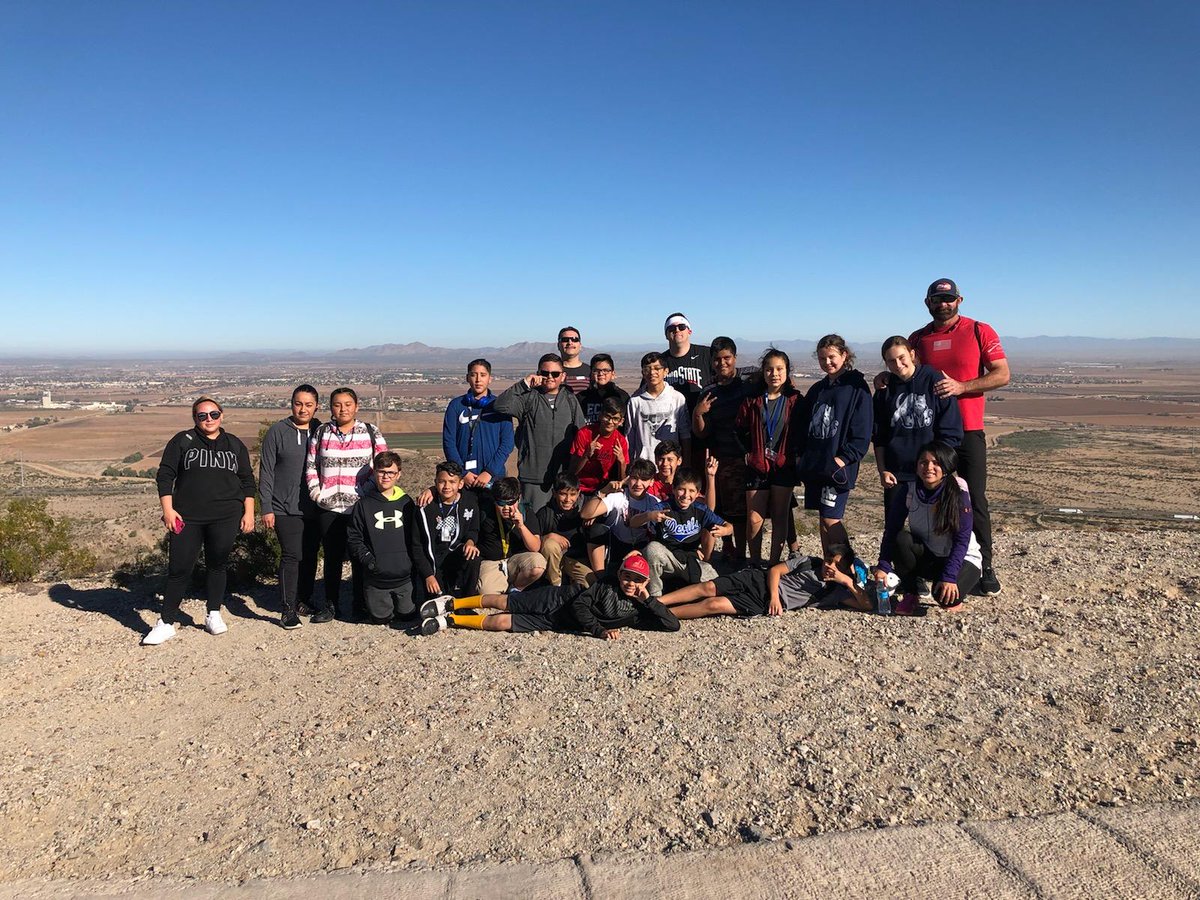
(473,436)
(834,429)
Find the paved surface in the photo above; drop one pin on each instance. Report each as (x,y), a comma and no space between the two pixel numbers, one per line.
(1142,852)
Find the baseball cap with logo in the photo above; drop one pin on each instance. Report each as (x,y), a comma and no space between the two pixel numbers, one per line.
(636,564)
(942,287)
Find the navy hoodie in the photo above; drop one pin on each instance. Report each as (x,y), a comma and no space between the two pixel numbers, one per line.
(834,420)
(908,415)
(472,432)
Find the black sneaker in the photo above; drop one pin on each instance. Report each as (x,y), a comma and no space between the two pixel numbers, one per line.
(321,616)
(989,584)
(290,622)
(434,625)
(923,591)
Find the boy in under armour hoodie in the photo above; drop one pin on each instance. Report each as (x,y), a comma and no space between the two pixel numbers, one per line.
(383,537)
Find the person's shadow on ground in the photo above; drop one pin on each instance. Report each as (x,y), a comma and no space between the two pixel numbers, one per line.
(125,604)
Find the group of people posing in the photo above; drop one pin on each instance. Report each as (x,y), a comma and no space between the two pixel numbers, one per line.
(619,501)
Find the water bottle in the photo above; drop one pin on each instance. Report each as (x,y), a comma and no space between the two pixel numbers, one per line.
(883,593)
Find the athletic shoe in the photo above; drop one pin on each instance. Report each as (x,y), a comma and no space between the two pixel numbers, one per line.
(214,624)
(907,605)
(321,616)
(434,625)
(290,622)
(162,631)
(438,606)
(923,590)
(989,584)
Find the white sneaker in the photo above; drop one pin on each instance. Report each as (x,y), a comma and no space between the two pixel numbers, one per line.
(162,631)
(438,606)
(434,625)
(214,624)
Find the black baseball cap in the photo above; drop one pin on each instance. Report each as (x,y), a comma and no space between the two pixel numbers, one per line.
(942,287)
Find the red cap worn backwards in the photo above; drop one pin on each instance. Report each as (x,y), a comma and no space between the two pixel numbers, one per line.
(636,564)
(942,287)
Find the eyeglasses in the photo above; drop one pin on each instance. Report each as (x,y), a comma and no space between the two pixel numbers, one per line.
(673,328)
(546,374)
(386,473)
(568,340)
(596,371)
(612,417)
(214,415)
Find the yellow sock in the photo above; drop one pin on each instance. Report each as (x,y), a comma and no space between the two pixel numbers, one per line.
(462,620)
(467,602)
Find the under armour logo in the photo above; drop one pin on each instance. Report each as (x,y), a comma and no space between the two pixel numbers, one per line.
(397,520)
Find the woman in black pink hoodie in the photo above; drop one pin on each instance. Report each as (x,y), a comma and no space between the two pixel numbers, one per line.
(206,488)
(834,434)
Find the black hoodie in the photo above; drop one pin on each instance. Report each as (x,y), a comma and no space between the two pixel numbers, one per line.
(384,537)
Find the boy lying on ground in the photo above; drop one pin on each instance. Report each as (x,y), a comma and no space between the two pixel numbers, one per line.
(600,610)
(840,580)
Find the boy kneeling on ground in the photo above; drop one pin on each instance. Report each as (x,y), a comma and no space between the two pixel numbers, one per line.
(383,537)
(841,579)
(679,528)
(600,610)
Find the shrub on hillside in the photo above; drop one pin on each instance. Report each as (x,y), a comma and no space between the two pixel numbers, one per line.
(33,543)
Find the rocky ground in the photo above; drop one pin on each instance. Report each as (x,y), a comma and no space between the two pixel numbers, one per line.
(264,752)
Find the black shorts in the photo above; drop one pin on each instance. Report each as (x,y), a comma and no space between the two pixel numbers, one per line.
(746,590)
(777,476)
(545,608)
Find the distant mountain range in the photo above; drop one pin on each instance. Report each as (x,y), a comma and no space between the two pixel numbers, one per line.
(1043,349)
(1040,349)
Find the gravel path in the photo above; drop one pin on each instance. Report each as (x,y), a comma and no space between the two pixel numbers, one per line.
(262,752)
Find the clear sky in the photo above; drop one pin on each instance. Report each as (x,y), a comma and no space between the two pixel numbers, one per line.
(230,175)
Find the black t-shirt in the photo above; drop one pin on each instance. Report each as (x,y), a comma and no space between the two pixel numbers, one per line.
(719,429)
(689,372)
(569,523)
(577,378)
(494,531)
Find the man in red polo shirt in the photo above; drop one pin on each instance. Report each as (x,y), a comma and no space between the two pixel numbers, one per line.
(970,355)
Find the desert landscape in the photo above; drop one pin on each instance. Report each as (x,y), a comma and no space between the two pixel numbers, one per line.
(262,753)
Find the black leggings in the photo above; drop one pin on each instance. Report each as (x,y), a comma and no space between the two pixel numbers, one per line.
(911,560)
(184,549)
(299,541)
(335,530)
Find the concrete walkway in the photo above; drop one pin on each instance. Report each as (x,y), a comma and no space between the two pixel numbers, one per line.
(1141,852)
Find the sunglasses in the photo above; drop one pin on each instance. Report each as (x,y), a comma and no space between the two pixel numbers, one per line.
(633,576)
(671,328)
(545,374)
(214,415)
(568,340)
(933,301)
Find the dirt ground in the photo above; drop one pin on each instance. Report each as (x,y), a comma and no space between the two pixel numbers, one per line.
(265,752)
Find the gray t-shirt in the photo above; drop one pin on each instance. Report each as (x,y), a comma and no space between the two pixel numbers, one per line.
(802,585)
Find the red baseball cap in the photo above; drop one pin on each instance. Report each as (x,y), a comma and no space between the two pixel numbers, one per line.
(636,564)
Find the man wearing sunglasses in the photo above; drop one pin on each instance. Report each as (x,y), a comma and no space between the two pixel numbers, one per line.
(970,355)
(689,368)
(577,375)
(547,419)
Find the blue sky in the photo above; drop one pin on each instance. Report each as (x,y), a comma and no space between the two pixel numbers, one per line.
(221,176)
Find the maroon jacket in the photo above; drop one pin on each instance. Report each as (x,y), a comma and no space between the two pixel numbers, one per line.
(749,424)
